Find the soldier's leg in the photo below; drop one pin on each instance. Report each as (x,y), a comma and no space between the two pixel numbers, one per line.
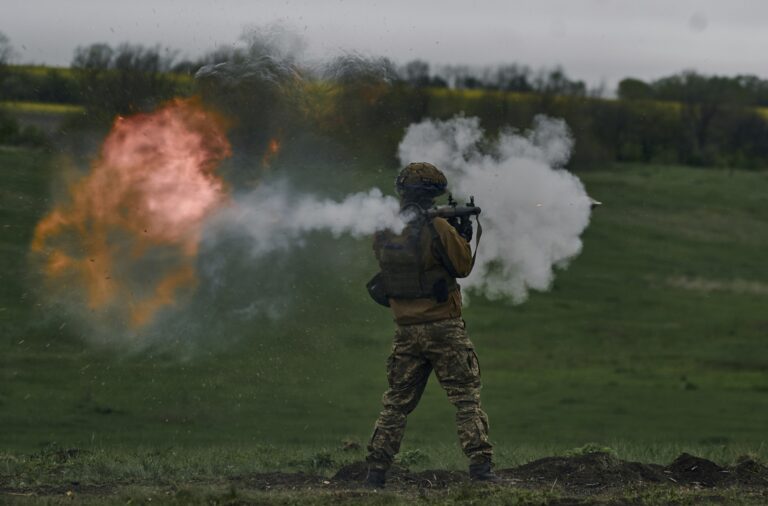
(456,366)
(407,374)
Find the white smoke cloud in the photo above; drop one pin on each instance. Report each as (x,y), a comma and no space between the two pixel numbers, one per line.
(275,219)
(534,211)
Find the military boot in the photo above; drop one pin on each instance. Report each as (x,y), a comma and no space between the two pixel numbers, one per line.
(483,472)
(375,478)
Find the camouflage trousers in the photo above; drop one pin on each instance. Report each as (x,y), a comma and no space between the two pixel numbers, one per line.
(444,347)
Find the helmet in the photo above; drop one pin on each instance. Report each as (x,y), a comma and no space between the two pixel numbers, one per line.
(422,179)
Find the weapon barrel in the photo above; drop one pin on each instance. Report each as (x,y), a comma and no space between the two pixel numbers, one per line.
(453,211)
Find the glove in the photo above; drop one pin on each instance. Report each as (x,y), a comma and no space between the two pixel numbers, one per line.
(465,228)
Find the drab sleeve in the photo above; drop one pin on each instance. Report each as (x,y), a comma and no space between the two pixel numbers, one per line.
(457,248)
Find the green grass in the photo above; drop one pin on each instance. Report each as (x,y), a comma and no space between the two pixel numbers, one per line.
(41,108)
(225,494)
(620,353)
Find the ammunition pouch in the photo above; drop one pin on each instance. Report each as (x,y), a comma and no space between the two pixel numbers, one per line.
(402,284)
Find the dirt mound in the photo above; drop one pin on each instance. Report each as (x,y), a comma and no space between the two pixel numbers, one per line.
(579,479)
(580,474)
(749,472)
(592,471)
(689,469)
(356,471)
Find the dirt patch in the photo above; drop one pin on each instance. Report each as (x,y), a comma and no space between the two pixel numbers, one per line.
(584,473)
(749,473)
(400,477)
(268,481)
(58,490)
(587,474)
(580,477)
(690,470)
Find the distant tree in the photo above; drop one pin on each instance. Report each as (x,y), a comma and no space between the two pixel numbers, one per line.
(463,77)
(123,79)
(755,88)
(513,78)
(257,87)
(6,49)
(56,85)
(556,82)
(634,89)
(6,54)
(416,73)
(94,57)
(703,100)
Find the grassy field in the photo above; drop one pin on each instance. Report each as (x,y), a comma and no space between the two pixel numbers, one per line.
(41,107)
(651,343)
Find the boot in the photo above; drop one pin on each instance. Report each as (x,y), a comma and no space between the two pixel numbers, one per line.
(376,478)
(483,472)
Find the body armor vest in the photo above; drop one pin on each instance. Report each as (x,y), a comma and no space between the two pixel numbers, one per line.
(403,271)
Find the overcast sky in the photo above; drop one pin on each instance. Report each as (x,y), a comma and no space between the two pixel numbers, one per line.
(594,40)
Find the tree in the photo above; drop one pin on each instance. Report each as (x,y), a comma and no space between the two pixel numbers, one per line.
(416,73)
(555,82)
(124,79)
(6,49)
(634,89)
(513,78)
(6,54)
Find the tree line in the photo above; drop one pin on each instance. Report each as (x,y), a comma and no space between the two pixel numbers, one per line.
(687,118)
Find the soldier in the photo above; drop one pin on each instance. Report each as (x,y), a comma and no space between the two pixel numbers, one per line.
(417,281)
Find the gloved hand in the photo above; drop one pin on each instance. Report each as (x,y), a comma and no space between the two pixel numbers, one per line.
(463,226)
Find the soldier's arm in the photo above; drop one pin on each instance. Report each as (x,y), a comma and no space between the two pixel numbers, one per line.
(457,248)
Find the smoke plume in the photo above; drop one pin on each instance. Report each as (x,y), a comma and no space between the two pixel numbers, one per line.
(273,218)
(168,240)
(533,210)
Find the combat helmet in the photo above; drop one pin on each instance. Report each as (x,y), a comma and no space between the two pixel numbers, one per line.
(420,179)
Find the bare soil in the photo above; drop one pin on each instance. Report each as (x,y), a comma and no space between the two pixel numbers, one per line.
(580,477)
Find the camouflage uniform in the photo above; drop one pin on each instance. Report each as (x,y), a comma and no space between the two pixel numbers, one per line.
(442,346)
(430,332)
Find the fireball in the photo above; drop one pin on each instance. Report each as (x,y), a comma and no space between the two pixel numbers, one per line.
(127,237)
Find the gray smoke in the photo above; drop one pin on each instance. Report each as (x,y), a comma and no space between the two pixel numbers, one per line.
(273,218)
(355,68)
(534,211)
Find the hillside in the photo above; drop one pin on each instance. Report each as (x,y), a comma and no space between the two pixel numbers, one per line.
(650,341)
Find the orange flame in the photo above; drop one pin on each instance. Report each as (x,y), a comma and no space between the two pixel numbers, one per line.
(130,233)
(273,148)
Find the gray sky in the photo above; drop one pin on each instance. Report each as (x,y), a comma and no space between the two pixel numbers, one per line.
(594,40)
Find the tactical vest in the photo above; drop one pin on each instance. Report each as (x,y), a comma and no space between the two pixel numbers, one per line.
(403,271)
